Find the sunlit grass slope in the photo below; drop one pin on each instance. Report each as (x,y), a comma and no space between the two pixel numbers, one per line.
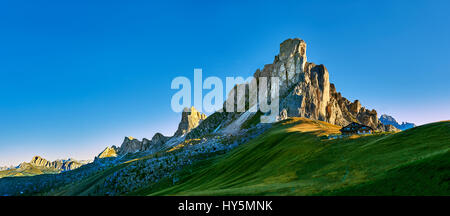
(29,170)
(294,158)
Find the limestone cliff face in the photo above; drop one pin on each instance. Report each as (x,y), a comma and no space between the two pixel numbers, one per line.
(190,119)
(306,91)
(39,161)
(108,152)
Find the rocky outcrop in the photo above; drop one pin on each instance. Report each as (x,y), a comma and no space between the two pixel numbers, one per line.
(156,143)
(190,119)
(66,165)
(130,145)
(108,152)
(212,125)
(390,128)
(62,165)
(389,120)
(39,161)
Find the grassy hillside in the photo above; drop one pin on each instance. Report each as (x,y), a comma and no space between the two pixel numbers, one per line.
(295,158)
(87,185)
(27,170)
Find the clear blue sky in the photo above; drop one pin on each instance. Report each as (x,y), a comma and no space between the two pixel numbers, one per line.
(77,77)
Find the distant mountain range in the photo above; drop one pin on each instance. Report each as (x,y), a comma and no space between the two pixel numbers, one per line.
(39,165)
(389,120)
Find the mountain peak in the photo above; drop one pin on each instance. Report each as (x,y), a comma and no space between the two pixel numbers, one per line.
(190,119)
(39,161)
(306,91)
(291,47)
(129,145)
(108,152)
(389,120)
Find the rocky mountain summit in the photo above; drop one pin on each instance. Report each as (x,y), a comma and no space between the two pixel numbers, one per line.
(190,119)
(156,143)
(389,120)
(108,152)
(306,91)
(130,145)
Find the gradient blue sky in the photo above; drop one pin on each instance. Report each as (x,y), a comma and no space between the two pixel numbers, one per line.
(78,76)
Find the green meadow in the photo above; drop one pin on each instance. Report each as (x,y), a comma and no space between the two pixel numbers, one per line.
(296,158)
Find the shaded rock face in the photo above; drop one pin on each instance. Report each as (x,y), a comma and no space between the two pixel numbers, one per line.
(214,123)
(343,112)
(66,165)
(190,119)
(156,143)
(108,152)
(306,91)
(310,96)
(63,165)
(130,145)
(389,120)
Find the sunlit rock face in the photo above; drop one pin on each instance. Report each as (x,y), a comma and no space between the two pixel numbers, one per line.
(108,152)
(63,165)
(38,161)
(190,119)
